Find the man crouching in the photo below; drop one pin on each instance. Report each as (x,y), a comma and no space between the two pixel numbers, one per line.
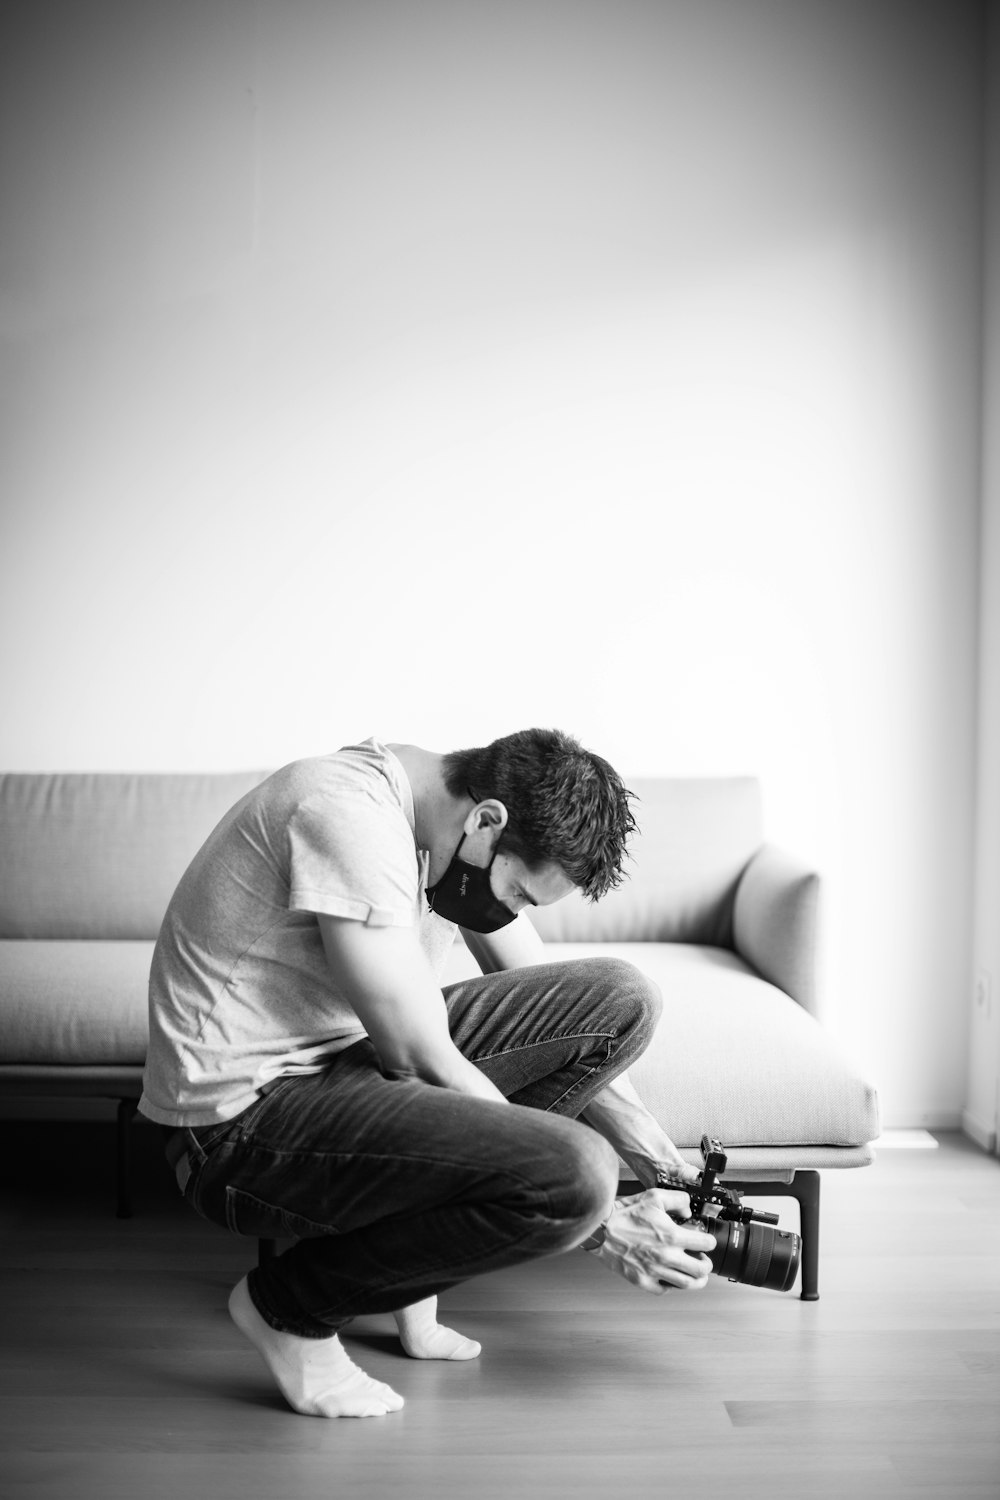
(318,1084)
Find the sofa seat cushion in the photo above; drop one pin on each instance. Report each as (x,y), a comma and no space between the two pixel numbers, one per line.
(74,1003)
(737,1058)
(734,1057)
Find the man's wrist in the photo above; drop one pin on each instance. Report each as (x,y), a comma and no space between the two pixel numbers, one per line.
(597,1239)
(600,1234)
(671,1174)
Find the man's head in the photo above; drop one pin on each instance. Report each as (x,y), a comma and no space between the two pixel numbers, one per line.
(564,804)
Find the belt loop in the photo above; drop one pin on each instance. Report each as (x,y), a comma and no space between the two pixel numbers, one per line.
(183,1171)
(178,1154)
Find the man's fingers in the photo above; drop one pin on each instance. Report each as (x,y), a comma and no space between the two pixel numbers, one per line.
(647,1283)
(686,1274)
(680,1282)
(671,1200)
(688,1238)
(687,1173)
(665,1213)
(695,1239)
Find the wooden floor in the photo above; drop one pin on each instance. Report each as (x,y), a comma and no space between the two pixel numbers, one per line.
(121,1376)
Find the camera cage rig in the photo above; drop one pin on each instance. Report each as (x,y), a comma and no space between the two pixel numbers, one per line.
(802,1184)
(729,1201)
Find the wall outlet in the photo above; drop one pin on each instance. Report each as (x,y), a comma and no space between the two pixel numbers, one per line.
(984,995)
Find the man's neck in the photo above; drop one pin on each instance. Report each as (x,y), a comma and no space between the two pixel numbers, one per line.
(437,815)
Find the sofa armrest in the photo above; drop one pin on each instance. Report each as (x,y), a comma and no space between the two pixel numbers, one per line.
(775,923)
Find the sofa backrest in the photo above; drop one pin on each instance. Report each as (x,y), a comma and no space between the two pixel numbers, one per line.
(99,856)
(696,836)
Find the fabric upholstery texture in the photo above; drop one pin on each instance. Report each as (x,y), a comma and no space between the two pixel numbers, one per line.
(74,1002)
(98,856)
(695,838)
(775,921)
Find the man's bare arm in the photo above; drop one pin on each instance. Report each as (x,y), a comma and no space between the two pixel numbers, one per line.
(384,973)
(643,1240)
(516,946)
(620,1116)
(617,1112)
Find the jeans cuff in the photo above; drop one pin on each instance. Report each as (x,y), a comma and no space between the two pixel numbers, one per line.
(303,1328)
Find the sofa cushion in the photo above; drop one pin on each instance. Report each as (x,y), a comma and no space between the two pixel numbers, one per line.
(74,1003)
(99,856)
(734,1057)
(695,838)
(776,923)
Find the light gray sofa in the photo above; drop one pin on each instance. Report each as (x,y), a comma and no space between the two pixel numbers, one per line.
(723,922)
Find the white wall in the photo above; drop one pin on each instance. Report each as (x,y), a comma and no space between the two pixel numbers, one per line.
(434,370)
(983,1099)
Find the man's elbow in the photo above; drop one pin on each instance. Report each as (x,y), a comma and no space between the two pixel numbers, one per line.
(418,1064)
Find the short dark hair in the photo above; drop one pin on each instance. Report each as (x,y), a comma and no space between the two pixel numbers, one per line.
(563,803)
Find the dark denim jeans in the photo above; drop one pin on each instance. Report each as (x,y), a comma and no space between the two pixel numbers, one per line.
(395,1189)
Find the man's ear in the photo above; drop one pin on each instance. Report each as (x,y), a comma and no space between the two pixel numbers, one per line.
(489,814)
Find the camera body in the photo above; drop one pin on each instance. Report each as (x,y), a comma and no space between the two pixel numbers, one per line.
(749,1248)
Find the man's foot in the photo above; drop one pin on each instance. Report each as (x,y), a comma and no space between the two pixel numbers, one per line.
(423,1337)
(315,1376)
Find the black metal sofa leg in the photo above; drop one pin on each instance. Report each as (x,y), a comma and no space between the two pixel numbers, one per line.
(805,1186)
(126,1114)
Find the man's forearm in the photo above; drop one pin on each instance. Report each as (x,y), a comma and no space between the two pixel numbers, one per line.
(451,1070)
(384,974)
(620,1116)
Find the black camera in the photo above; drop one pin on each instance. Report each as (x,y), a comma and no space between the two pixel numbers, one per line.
(749,1247)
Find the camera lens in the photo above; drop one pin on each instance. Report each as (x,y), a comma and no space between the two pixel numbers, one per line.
(755,1254)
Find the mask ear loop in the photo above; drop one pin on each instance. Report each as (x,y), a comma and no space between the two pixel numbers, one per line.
(458,846)
(461,841)
(430,891)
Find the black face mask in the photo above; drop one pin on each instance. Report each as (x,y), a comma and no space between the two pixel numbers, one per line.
(464,895)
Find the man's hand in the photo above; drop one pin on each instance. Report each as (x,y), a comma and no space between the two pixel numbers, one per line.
(644,1243)
(678,1171)
(384,973)
(620,1116)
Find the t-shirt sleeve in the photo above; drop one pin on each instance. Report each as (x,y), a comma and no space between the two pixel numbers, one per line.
(351,854)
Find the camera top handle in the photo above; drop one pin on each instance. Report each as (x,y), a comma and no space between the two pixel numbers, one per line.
(710,1190)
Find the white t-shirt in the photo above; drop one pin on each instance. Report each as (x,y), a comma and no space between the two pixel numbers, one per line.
(240,992)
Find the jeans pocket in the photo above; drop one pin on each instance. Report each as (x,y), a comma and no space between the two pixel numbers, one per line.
(247,1214)
(204,1137)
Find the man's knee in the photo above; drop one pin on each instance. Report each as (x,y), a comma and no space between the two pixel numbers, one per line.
(580,1192)
(635,997)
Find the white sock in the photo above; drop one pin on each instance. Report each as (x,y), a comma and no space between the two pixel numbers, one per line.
(423,1337)
(316,1376)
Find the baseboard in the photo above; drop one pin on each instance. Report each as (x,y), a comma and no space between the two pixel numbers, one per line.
(922,1119)
(905,1140)
(982,1132)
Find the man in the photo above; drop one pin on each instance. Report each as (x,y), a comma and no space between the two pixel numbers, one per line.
(319,1085)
